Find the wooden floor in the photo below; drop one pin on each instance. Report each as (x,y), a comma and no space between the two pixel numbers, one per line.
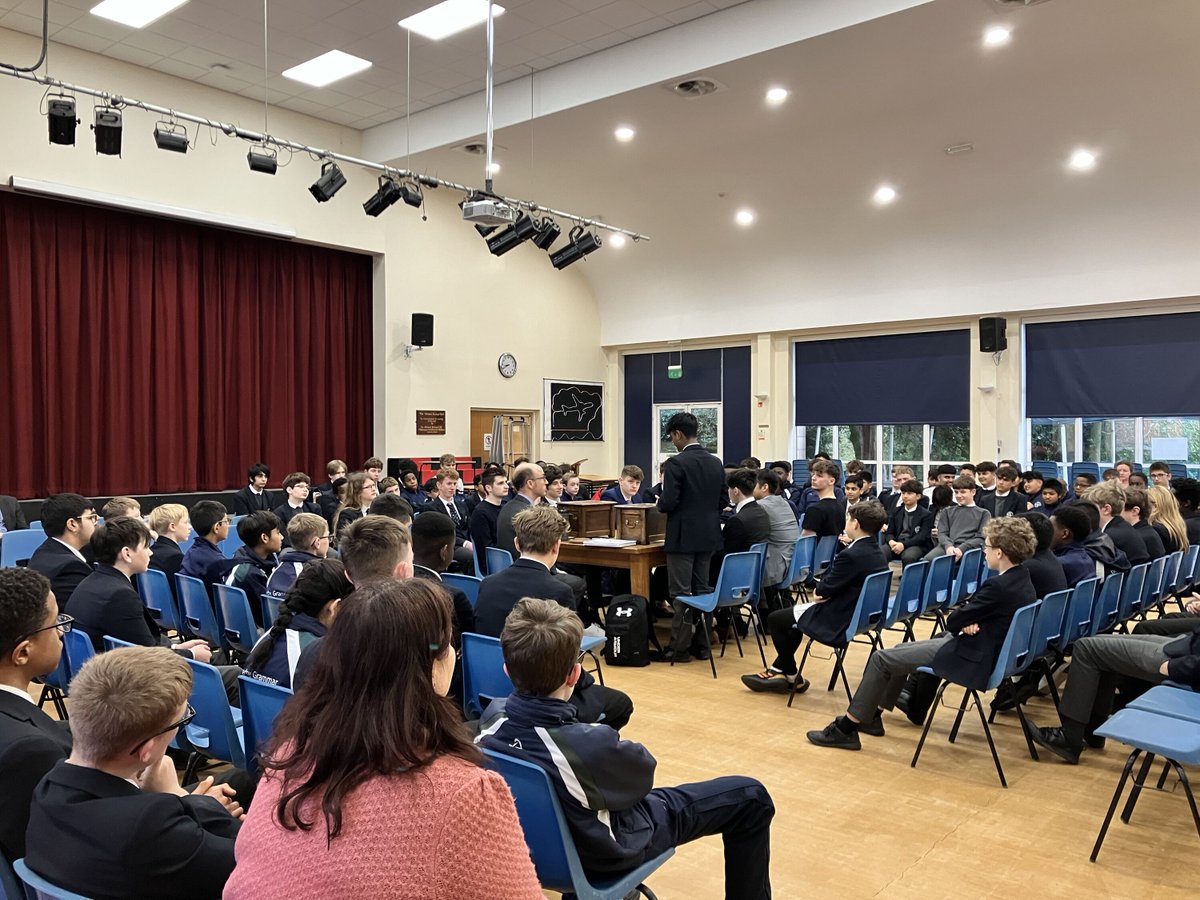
(865,824)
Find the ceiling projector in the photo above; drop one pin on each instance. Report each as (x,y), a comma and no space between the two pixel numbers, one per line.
(487,209)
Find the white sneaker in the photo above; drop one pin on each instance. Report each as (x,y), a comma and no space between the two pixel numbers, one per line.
(594,631)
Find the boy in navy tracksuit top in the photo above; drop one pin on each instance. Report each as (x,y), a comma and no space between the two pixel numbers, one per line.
(606,785)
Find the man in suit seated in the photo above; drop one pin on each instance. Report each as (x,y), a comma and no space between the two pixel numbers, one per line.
(826,618)
(539,532)
(68,520)
(910,525)
(111,820)
(628,488)
(204,559)
(254,496)
(30,741)
(11,517)
(965,654)
(449,502)
(171,523)
(1109,498)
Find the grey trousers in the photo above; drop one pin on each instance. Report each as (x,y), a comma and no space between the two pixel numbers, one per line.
(1172,624)
(1097,662)
(886,673)
(687,573)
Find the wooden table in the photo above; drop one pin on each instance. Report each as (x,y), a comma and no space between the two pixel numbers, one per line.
(637,558)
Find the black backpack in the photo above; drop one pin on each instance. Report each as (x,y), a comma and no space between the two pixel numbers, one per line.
(627,627)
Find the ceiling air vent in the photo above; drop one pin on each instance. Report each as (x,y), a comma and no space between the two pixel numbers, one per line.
(479,148)
(695,87)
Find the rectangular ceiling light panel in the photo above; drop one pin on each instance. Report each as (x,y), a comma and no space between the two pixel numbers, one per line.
(449,17)
(135,13)
(327,68)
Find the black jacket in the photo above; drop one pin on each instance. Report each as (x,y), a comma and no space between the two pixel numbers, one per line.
(30,744)
(1128,541)
(99,835)
(499,593)
(10,509)
(505,533)
(1046,573)
(1011,504)
(485,522)
(693,480)
(1150,537)
(828,620)
(1100,547)
(750,526)
(246,501)
(167,557)
(65,570)
(107,603)
(969,659)
(1183,654)
(922,527)
(462,525)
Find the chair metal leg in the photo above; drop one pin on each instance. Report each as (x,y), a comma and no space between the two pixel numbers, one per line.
(839,656)
(799,674)
(962,710)
(845,683)
(1162,778)
(937,699)
(1033,754)
(1138,781)
(737,640)
(707,620)
(756,621)
(599,670)
(987,732)
(804,658)
(644,890)
(1187,789)
(1116,798)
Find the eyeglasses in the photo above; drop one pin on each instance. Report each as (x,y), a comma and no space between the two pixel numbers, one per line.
(90,517)
(62,622)
(325,537)
(188,715)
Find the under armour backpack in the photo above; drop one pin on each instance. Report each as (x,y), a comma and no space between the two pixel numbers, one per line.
(627,627)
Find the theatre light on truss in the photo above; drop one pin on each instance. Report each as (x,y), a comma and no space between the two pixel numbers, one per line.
(388,193)
(107,127)
(171,136)
(60,113)
(547,233)
(331,181)
(581,244)
(263,159)
(512,236)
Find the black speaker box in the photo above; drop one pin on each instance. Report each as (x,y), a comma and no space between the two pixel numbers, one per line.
(992,335)
(422,329)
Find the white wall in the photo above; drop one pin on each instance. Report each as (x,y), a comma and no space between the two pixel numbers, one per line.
(483,305)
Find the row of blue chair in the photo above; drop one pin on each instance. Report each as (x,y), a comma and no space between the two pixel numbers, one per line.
(18,545)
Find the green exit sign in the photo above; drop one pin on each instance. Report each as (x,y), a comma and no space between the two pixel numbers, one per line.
(674,372)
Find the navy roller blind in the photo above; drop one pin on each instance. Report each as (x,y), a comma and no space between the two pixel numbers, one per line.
(893,379)
(1132,366)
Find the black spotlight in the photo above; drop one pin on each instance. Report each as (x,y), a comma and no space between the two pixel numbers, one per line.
(263,159)
(331,181)
(170,136)
(580,246)
(389,192)
(485,230)
(411,194)
(548,232)
(60,111)
(108,130)
(512,236)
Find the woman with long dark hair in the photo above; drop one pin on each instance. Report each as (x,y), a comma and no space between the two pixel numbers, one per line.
(372,786)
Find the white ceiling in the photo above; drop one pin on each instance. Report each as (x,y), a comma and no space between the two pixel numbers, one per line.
(532,35)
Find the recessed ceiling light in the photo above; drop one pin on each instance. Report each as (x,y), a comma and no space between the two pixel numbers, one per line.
(884,194)
(1082,160)
(777,95)
(617,240)
(624,134)
(744,217)
(494,168)
(449,17)
(997,36)
(327,68)
(135,13)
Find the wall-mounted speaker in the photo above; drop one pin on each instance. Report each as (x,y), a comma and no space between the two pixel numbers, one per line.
(422,329)
(992,334)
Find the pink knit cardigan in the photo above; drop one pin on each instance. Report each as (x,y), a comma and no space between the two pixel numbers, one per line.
(447,830)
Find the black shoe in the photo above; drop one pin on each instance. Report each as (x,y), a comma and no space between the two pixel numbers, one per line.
(1093,741)
(873,728)
(904,704)
(768,682)
(668,656)
(832,736)
(1056,742)
(701,652)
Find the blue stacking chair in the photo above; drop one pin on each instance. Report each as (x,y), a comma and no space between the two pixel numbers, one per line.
(231,543)
(739,574)
(271,602)
(186,544)
(238,632)
(54,685)
(1152,588)
(1014,657)
(1178,470)
(966,583)
(1130,600)
(1047,634)
(750,602)
(905,606)
(868,612)
(156,596)
(197,616)
(78,649)
(823,553)
(800,473)
(1175,577)
(549,838)
(111,643)
(1089,468)
(1165,700)
(261,703)
(468,584)
(1046,467)
(10,885)
(935,592)
(18,545)
(1108,604)
(1078,620)
(216,732)
(484,677)
(800,568)
(498,560)
(39,887)
(1189,571)
(1175,739)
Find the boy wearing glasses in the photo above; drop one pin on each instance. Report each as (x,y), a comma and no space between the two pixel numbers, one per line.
(30,741)
(111,820)
(68,520)
(309,536)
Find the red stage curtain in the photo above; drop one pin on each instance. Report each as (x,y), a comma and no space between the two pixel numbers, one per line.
(142,355)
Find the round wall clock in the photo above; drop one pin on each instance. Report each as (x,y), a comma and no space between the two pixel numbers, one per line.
(507,364)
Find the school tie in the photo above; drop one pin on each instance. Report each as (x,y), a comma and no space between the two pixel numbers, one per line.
(452,509)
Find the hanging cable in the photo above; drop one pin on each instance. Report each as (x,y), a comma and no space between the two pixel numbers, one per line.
(45,44)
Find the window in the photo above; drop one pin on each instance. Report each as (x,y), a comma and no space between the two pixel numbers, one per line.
(879,446)
(1106,440)
(708,418)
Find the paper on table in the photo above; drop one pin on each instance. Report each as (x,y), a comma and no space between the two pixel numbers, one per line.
(608,542)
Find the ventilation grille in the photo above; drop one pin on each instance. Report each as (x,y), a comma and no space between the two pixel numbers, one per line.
(695,87)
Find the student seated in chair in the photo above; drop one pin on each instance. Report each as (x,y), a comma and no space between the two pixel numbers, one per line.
(394,507)
(111,820)
(1071,530)
(959,527)
(254,496)
(1137,514)
(171,523)
(256,559)
(1187,494)
(121,506)
(296,487)
(605,785)
(204,559)
(410,490)
(485,520)
(68,520)
(854,487)
(309,536)
(1006,500)
(1050,496)
(828,616)
(1032,482)
(1109,499)
(1082,482)
(373,468)
(571,487)
(910,526)
(628,488)
(965,654)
